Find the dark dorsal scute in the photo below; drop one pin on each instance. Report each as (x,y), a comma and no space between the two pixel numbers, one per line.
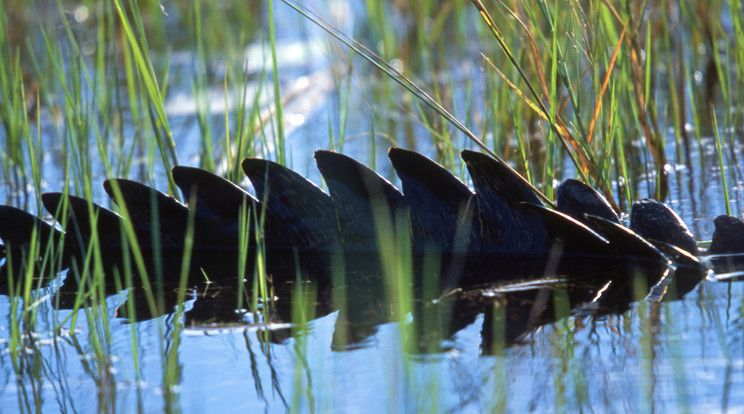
(626,242)
(170,221)
(576,199)
(575,236)
(728,236)
(506,225)
(217,203)
(653,220)
(298,214)
(17,228)
(83,218)
(211,192)
(440,205)
(361,197)
(641,262)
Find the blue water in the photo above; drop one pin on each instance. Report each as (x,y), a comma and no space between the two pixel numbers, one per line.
(666,356)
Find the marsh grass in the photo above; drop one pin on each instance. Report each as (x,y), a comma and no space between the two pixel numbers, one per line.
(567,90)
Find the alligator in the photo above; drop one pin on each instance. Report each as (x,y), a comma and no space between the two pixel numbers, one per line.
(501,239)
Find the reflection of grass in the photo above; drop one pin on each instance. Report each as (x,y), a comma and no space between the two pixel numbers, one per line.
(583,83)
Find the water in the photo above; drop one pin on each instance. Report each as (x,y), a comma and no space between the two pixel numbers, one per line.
(661,357)
(683,354)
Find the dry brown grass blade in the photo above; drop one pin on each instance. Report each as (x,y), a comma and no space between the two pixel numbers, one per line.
(568,138)
(605,82)
(563,132)
(574,148)
(533,48)
(406,83)
(580,158)
(535,107)
(650,129)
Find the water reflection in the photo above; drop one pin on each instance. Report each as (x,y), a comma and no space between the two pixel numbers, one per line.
(511,309)
(305,322)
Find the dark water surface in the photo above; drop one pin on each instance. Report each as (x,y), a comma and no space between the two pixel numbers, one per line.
(677,355)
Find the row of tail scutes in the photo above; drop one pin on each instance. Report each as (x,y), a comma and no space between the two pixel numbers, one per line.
(502,219)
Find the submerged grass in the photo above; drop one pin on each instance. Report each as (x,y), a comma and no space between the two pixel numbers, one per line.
(590,84)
